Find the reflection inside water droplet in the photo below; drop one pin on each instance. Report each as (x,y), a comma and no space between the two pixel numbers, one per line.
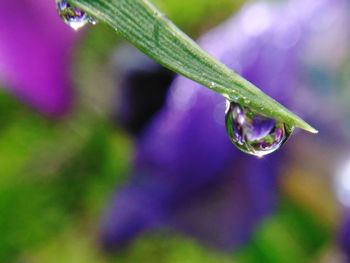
(73,16)
(252,133)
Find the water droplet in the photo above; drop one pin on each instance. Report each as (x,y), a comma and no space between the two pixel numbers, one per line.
(252,133)
(73,16)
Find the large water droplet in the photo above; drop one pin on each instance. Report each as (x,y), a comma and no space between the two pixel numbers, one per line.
(252,133)
(73,16)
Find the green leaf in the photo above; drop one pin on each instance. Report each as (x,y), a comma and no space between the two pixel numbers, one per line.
(153,33)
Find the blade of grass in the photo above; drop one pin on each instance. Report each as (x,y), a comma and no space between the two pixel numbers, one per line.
(153,33)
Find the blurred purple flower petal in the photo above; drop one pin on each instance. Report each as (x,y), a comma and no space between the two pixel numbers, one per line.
(35,54)
(187,175)
(143,87)
(344,236)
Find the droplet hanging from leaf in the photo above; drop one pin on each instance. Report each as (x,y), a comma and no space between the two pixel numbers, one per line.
(73,16)
(252,133)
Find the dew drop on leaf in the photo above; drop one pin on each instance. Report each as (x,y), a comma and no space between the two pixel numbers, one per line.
(73,16)
(253,133)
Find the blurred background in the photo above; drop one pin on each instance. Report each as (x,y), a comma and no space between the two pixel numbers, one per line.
(105,156)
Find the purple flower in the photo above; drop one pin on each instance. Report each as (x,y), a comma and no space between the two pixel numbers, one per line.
(187,175)
(342,189)
(344,237)
(137,74)
(35,54)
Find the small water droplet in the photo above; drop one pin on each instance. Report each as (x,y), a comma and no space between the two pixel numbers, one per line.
(73,16)
(212,85)
(252,133)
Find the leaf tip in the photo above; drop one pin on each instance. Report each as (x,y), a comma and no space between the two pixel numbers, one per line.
(309,128)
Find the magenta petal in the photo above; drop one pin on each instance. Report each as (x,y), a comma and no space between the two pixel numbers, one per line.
(35,54)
